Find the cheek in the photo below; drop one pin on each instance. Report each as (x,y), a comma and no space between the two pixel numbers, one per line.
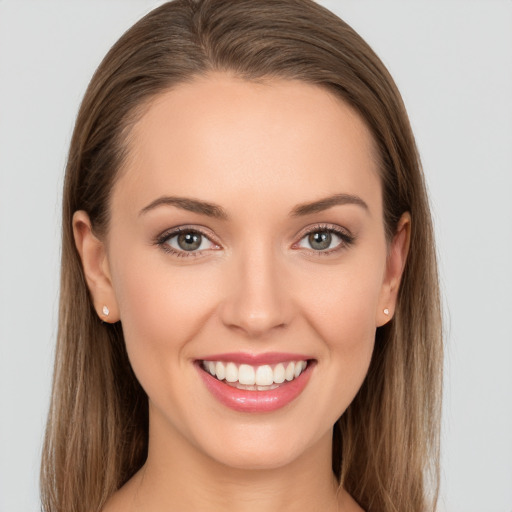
(162,308)
(342,313)
(343,304)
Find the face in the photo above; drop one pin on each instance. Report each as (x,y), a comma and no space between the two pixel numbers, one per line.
(247,244)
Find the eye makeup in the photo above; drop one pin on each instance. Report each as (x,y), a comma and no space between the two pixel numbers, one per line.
(187,241)
(186,235)
(346,239)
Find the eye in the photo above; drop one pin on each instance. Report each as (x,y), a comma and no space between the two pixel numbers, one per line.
(185,242)
(325,239)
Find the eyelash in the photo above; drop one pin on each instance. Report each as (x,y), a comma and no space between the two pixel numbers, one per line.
(164,238)
(346,240)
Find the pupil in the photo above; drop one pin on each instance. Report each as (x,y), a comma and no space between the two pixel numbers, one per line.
(320,240)
(189,241)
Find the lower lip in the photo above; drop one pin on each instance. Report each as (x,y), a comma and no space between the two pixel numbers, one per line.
(256,401)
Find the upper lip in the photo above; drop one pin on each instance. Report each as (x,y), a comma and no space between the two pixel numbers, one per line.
(256,359)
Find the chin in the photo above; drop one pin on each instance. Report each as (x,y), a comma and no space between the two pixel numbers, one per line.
(262,447)
(253,457)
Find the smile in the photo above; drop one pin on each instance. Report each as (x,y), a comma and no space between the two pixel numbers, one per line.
(256,383)
(255,378)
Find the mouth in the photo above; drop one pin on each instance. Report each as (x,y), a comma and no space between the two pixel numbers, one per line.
(255,378)
(240,383)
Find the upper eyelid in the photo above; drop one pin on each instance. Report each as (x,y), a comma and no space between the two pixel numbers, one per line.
(323,227)
(345,236)
(172,232)
(163,239)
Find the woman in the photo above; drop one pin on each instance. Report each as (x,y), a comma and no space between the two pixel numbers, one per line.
(249,302)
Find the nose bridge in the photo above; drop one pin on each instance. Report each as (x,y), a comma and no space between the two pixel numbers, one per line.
(257,301)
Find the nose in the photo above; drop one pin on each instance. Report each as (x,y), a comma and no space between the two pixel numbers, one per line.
(257,301)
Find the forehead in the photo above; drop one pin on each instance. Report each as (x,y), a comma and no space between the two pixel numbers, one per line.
(222,138)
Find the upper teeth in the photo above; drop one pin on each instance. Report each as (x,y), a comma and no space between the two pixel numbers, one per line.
(264,375)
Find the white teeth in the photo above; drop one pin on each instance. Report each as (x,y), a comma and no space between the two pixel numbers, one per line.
(231,372)
(246,375)
(262,377)
(266,388)
(279,373)
(289,372)
(220,371)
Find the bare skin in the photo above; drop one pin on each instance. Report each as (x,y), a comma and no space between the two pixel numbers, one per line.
(238,490)
(257,283)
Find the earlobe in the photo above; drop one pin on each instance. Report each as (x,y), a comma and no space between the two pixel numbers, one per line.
(96,268)
(397,257)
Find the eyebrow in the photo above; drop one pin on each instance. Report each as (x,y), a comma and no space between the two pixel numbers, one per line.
(326,203)
(191,205)
(217,212)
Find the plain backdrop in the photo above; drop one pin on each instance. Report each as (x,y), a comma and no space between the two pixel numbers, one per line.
(452,61)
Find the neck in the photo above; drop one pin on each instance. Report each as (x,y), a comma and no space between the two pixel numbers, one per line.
(178,476)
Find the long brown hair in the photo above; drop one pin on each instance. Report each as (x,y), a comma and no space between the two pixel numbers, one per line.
(386,445)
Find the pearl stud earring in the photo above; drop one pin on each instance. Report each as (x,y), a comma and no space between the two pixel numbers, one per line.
(386,311)
(106,311)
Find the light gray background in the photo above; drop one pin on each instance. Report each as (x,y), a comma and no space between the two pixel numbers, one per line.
(452,61)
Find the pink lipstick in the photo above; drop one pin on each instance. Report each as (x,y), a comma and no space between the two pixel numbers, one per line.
(255,383)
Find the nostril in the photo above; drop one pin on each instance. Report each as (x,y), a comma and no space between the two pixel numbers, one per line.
(257,301)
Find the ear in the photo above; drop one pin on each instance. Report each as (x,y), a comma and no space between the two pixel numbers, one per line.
(397,256)
(96,268)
